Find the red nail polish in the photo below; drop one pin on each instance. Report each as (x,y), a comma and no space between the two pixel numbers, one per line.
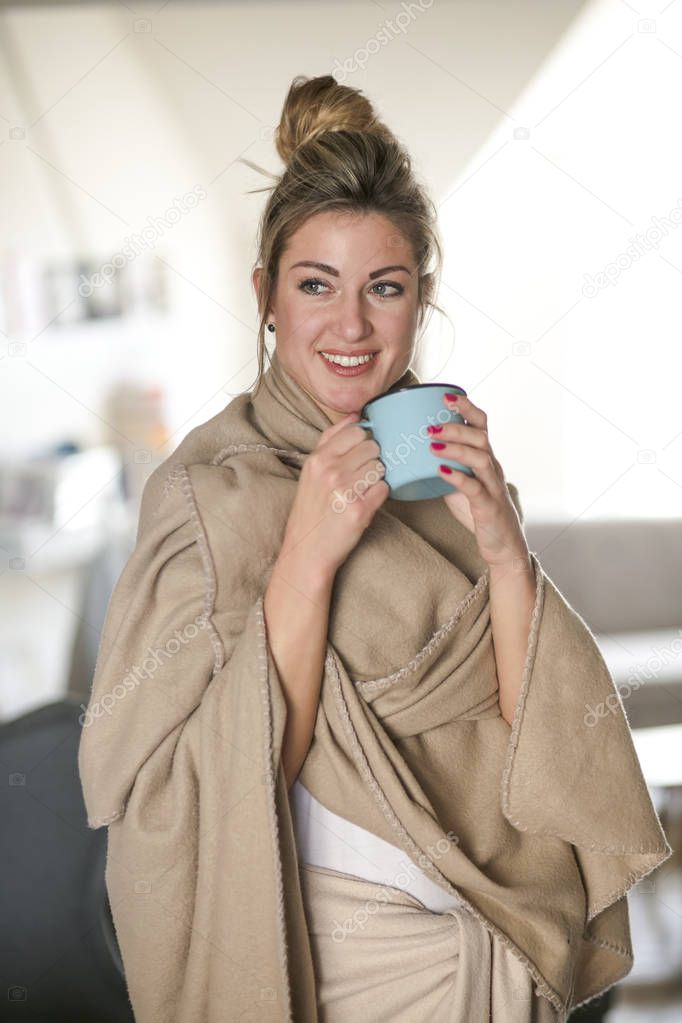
(446,468)
(436,445)
(435,429)
(452,397)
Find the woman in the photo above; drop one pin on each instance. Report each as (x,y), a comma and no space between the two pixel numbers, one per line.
(401,675)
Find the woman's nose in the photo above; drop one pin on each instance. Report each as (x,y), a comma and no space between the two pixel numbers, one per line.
(352,318)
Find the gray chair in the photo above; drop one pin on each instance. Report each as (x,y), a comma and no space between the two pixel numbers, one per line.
(59,958)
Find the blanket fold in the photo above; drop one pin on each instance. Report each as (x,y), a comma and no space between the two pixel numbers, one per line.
(540,828)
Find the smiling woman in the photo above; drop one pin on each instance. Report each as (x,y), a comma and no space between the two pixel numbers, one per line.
(354,322)
(349,207)
(364,791)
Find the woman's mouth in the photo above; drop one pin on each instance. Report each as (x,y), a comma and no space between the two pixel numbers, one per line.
(349,366)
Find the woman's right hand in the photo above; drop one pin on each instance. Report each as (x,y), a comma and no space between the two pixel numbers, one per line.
(340,489)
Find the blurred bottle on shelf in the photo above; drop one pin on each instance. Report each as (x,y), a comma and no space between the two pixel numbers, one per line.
(138,427)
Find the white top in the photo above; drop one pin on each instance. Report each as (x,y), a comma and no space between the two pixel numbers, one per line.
(324,839)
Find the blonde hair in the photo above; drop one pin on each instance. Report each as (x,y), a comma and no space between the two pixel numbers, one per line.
(339,156)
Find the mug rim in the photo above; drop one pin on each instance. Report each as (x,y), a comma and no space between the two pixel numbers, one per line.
(411,387)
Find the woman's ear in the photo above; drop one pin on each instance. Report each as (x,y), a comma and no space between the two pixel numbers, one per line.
(256,279)
(429,284)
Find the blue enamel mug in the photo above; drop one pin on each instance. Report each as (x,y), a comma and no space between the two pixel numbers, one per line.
(399,422)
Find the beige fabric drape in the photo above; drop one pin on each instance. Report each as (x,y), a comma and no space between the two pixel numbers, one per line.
(381,955)
(541,829)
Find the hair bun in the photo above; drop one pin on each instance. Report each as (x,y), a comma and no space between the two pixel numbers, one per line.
(315,105)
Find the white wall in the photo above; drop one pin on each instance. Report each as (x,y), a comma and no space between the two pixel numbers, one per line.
(118,122)
(586,376)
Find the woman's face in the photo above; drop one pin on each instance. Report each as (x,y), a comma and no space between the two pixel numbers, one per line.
(361,298)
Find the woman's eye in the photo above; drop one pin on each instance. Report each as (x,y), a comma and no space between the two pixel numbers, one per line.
(313,282)
(304,284)
(388,284)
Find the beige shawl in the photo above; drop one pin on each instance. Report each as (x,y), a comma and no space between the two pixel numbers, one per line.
(541,828)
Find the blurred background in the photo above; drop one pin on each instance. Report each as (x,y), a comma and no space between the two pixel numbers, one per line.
(548,134)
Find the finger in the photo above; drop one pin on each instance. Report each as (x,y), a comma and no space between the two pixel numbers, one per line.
(376,492)
(460,432)
(364,457)
(465,406)
(478,459)
(354,449)
(339,436)
(498,466)
(335,428)
(363,482)
(472,487)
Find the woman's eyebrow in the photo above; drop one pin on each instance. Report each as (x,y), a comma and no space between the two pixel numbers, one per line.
(335,273)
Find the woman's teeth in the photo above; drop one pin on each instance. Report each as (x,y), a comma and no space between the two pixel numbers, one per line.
(347,360)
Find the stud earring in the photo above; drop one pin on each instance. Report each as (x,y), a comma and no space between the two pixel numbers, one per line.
(271,326)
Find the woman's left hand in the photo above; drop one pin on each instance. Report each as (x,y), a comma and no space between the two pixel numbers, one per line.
(482,503)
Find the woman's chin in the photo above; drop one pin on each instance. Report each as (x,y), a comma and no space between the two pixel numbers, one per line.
(339,406)
(339,395)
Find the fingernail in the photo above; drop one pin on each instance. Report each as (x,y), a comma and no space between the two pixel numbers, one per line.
(435,429)
(452,397)
(436,445)
(446,468)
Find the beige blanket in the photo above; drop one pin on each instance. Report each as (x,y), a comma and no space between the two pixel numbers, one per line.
(541,828)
